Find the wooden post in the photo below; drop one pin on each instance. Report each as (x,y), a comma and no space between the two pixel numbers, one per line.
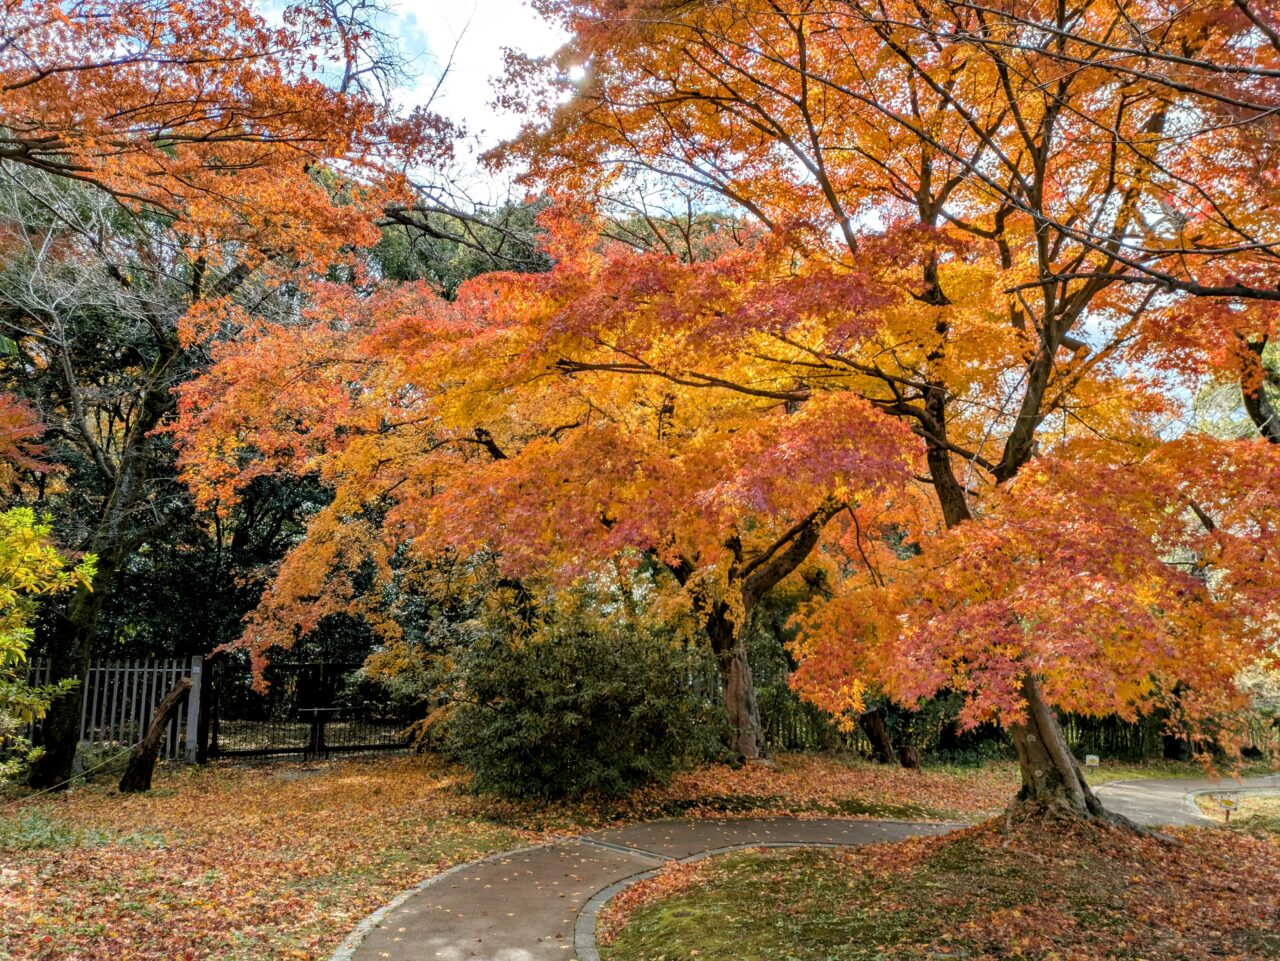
(193,708)
(142,762)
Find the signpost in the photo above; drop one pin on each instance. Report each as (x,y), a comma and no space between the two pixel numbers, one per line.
(1228,805)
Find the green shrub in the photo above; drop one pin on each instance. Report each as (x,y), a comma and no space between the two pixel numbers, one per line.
(30,567)
(572,708)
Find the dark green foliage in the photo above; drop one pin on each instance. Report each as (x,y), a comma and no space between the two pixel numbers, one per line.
(448,249)
(578,709)
(217,563)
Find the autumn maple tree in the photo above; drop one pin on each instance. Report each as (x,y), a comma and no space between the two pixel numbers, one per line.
(458,427)
(1067,209)
(983,255)
(205,112)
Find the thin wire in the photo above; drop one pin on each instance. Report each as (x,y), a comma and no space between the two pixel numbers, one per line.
(23,800)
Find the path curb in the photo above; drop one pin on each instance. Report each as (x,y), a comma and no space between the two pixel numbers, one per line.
(584,928)
(1190,797)
(582,924)
(1187,800)
(584,931)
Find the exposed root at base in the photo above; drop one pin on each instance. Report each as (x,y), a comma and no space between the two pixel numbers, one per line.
(1022,810)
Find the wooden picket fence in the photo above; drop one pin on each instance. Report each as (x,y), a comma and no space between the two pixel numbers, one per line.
(120,695)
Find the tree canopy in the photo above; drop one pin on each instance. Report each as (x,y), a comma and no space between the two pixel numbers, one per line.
(912,300)
(986,250)
(168,173)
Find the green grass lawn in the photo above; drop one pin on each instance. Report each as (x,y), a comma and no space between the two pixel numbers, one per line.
(1051,894)
(1110,771)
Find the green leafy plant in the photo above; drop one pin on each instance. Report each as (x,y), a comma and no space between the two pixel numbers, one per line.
(578,703)
(30,567)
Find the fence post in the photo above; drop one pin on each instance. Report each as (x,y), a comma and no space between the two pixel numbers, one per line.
(315,738)
(193,708)
(84,701)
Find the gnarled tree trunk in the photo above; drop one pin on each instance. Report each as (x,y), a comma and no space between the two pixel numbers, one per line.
(71,636)
(873,726)
(746,736)
(750,578)
(1052,781)
(742,710)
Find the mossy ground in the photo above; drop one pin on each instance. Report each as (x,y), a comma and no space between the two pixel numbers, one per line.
(1049,893)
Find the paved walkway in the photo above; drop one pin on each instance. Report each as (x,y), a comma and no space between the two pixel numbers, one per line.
(525,905)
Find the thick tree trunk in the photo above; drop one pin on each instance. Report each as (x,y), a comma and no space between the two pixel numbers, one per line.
(873,726)
(746,736)
(142,762)
(1052,781)
(949,490)
(69,643)
(742,710)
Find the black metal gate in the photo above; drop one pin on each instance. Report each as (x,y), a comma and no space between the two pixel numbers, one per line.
(312,710)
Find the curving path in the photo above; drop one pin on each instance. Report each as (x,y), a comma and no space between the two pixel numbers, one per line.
(540,903)
(523,905)
(1171,803)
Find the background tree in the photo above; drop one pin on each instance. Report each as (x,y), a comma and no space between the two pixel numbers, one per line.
(207,113)
(444,246)
(169,173)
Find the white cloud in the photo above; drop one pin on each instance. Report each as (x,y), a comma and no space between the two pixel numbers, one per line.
(473,33)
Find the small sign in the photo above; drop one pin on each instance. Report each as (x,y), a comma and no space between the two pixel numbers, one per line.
(1091,760)
(1228,805)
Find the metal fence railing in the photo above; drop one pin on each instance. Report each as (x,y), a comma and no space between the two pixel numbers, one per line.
(119,696)
(309,709)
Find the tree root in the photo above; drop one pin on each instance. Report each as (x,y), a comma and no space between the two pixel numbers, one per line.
(1022,810)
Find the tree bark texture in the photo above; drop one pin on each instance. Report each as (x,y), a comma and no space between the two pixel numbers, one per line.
(142,762)
(741,707)
(1052,781)
(873,726)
